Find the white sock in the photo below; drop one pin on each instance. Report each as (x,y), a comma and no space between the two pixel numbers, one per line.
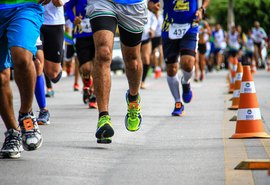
(187,76)
(173,83)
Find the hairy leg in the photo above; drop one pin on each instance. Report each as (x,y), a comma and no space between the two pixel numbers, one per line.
(103,40)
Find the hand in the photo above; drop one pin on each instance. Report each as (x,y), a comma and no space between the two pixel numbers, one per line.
(199,15)
(57,3)
(77,20)
(44,2)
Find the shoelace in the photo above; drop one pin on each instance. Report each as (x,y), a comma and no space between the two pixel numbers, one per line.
(11,141)
(31,133)
(103,119)
(133,112)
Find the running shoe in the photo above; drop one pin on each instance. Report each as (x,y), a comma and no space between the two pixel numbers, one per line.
(31,136)
(158,72)
(43,117)
(76,87)
(92,102)
(12,146)
(187,93)
(133,118)
(50,94)
(104,130)
(86,95)
(178,109)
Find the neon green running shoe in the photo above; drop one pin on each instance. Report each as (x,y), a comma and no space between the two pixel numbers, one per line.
(104,130)
(133,118)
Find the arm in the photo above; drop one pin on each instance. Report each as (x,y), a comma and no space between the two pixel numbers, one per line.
(69,10)
(70,13)
(206,25)
(201,11)
(264,34)
(240,39)
(57,3)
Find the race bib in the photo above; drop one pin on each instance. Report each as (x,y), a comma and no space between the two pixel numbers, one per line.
(177,31)
(86,27)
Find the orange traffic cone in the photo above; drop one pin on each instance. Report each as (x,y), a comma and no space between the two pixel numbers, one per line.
(249,123)
(237,85)
(232,74)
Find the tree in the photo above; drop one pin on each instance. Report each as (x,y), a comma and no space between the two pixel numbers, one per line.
(231,21)
(246,12)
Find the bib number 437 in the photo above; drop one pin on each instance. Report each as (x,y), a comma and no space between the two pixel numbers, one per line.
(177,31)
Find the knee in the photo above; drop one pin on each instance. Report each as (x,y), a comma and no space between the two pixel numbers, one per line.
(52,73)
(85,69)
(187,63)
(22,62)
(103,55)
(172,69)
(38,66)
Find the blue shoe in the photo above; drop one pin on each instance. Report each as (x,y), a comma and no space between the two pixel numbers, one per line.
(43,117)
(187,93)
(50,94)
(178,109)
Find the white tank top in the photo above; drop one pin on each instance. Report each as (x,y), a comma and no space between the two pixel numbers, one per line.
(219,36)
(250,44)
(54,15)
(159,26)
(220,39)
(258,34)
(233,40)
(151,24)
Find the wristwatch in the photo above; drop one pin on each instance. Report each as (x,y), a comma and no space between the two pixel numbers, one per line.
(203,10)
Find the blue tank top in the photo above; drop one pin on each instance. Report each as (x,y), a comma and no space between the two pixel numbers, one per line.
(179,12)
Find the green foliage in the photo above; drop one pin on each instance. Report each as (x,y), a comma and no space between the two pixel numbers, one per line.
(217,12)
(246,12)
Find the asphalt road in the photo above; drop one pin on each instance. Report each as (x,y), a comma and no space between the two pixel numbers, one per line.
(189,150)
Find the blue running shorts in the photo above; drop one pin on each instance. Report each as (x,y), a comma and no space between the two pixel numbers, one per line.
(19,26)
(186,46)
